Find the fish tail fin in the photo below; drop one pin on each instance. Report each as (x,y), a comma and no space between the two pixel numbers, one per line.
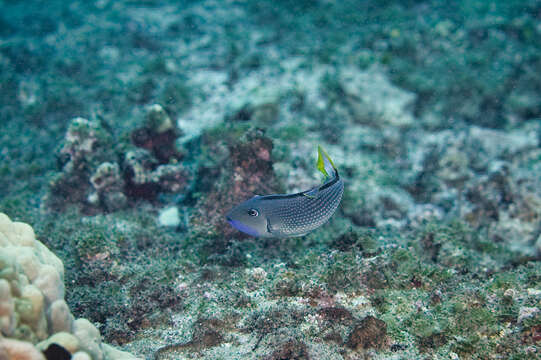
(325,164)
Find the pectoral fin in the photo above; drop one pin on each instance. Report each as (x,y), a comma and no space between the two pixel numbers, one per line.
(312,193)
(269,227)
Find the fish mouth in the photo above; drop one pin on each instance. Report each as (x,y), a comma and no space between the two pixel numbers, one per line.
(242,227)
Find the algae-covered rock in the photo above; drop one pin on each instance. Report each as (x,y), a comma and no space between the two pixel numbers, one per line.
(371,332)
(374,100)
(247,171)
(101,173)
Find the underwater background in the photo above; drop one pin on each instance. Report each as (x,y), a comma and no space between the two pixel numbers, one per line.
(129,128)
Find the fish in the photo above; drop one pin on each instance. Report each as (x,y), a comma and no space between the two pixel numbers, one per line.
(291,215)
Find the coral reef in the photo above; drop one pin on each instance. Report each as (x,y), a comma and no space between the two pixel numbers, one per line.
(33,312)
(95,177)
(486,182)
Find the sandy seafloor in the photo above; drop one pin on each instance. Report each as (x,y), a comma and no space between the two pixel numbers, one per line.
(431,111)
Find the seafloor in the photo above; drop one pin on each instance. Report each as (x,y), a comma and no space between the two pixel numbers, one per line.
(128,128)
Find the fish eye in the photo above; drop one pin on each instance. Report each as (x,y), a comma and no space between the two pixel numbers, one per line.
(253,212)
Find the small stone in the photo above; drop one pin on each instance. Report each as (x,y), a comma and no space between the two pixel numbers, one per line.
(257,273)
(509,293)
(60,317)
(169,217)
(19,350)
(526,313)
(534,292)
(369,333)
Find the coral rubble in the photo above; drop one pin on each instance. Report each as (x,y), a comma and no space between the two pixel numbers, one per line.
(96,178)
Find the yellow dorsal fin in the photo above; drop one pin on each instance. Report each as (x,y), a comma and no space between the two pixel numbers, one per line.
(324,162)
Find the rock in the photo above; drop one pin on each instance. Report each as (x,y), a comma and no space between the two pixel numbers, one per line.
(374,99)
(169,217)
(106,175)
(108,185)
(81,138)
(146,178)
(292,349)
(158,135)
(501,144)
(248,171)
(171,178)
(526,313)
(157,119)
(18,350)
(369,333)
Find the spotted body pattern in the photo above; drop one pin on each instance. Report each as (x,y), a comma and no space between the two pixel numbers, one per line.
(287,215)
(298,214)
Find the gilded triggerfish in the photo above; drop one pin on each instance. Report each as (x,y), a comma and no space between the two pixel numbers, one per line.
(287,215)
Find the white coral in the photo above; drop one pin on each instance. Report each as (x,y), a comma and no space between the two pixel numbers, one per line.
(32,277)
